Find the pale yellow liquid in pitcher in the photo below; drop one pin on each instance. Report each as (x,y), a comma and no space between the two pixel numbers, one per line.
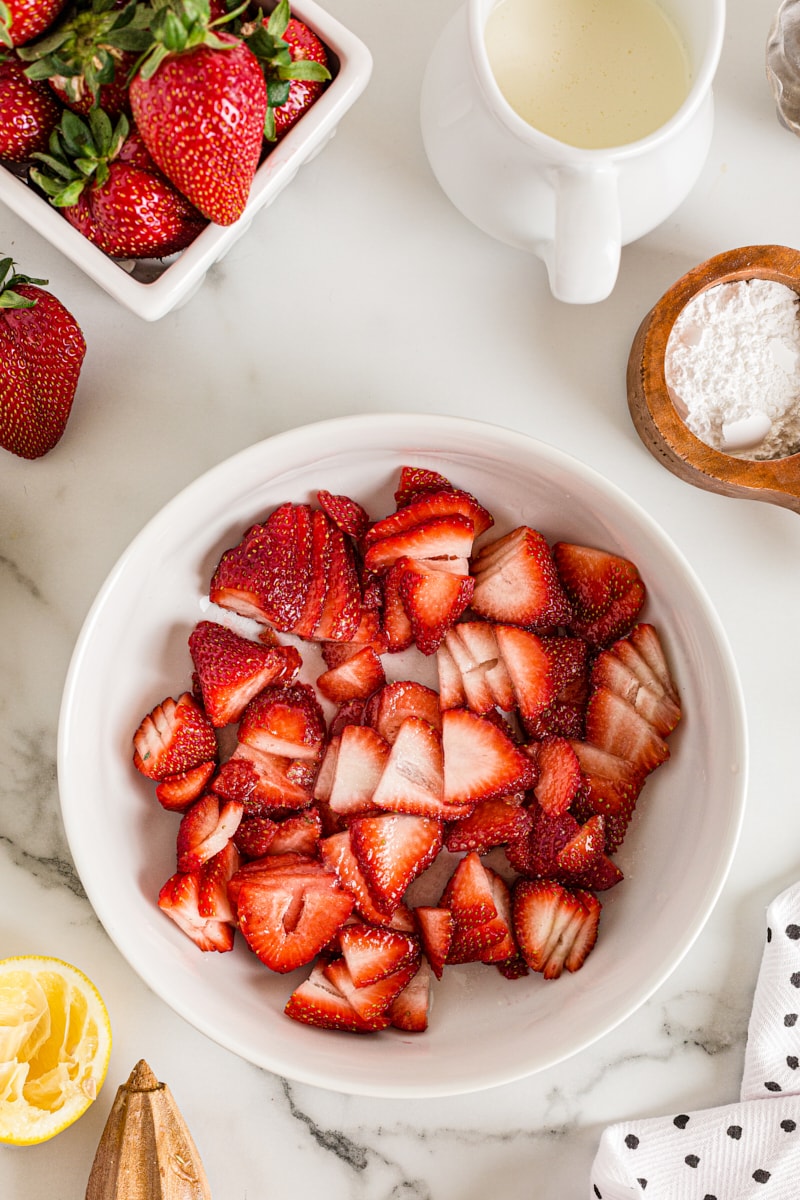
(591,73)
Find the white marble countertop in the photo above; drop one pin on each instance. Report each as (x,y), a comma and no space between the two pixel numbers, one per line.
(362,290)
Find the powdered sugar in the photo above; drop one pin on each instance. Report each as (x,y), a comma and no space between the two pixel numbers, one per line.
(733,368)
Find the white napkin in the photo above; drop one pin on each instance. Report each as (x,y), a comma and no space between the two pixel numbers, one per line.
(738,1151)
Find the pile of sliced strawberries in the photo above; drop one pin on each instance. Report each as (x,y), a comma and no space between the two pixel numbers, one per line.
(313,831)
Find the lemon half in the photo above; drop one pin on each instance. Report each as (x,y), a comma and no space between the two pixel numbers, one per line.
(55,1043)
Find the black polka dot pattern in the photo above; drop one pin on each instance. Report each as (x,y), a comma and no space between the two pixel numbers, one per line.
(692,1160)
(681,1121)
(631,1141)
(734,1131)
(761,1176)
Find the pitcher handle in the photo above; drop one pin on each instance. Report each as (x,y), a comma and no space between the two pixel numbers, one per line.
(583,260)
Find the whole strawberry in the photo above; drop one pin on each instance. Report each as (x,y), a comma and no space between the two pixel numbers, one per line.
(199,100)
(87,56)
(30,112)
(22,20)
(107,185)
(41,355)
(295,66)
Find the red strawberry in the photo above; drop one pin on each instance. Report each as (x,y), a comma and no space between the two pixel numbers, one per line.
(393,704)
(436,926)
(231,670)
(372,953)
(646,642)
(109,189)
(337,853)
(23,20)
(286,721)
(556,928)
(516,582)
(205,829)
(536,853)
(41,355)
(480,760)
(267,575)
(297,834)
(341,615)
(88,55)
(254,836)
(348,514)
(409,1010)
(432,537)
(355,678)
(263,781)
(295,65)
(416,480)
(605,590)
(215,875)
(371,1000)
(483,676)
(319,1002)
(30,112)
(361,756)
(396,626)
(179,899)
(201,111)
(468,893)
(492,822)
(611,670)
(287,918)
(175,737)
(434,600)
(560,776)
(418,511)
(176,792)
(614,725)
(412,780)
(393,849)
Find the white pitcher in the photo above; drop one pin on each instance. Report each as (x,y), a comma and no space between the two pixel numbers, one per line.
(574,208)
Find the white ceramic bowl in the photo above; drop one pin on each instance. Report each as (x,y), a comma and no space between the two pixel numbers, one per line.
(484,1030)
(151,288)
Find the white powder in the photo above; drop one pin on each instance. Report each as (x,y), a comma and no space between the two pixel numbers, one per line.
(733,368)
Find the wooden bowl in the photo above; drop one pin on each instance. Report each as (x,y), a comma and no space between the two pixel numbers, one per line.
(657,421)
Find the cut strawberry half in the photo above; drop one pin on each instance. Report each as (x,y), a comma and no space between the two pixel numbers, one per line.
(647,643)
(555,927)
(468,893)
(480,760)
(361,757)
(392,849)
(179,900)
(433,599)
(319,1002)
(176,792)
(263,782)
(321,554)
(254,836)
(412,780)
(616,726)
(516,582)
(287,918)
(430,505)
(410,1009)
(611,670)
(371,1000)
(231,670)
(174,737)
(560,776)
(481,906)
(539,667)
(536,854)
(393,704)
(434,537)
(348,515)
(492,822)
(605,590)
(299,833)
(452,693)
(205,828)
(484,677)
(286,721)
(436,927)
(340,617)
(215,875)
(396,625)
(337,854)
(416,481)
(372,953)
(354,679)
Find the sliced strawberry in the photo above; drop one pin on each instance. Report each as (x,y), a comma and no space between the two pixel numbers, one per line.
(287,918)
(321,554)
(434,600)
(341,613)
(175,737)
(605,590)
(393,849)
(433,537)
(615,726)
(286,721)
(489,940)
(555,927)
(430,505)
(396,625)
(263,782)
(610,670)
(360,761)
(409,1010)
(452,693)
(560,776)
(436,926)
(337,854)
(373,953)
(372,1000)
(412,780)
(516,582)
(254,836)
(345,513)
(537,667)
(318,1002)
(468,893)
(480,653)
(536,854)
(268,574)
(492,822)
(393,704)
(176,792)
(356,678)
(611,783)
(215,875)
(299,833)
(581,851)
(415,481)
(231,669)
(646,642)
(205,829)
(480,760)
(179,899)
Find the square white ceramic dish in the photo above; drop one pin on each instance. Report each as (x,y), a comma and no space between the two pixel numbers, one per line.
(484,1030)
(151,288)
